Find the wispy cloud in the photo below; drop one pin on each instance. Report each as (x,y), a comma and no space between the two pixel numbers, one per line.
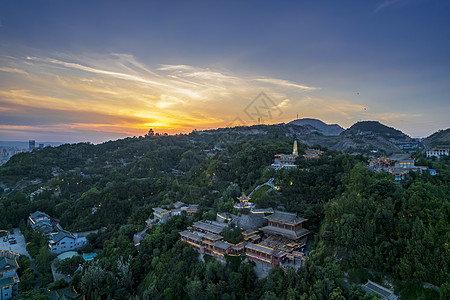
(286,83)
(389,3)
(116,94)
(13,70)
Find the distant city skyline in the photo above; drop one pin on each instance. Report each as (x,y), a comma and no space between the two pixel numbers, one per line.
(100,70)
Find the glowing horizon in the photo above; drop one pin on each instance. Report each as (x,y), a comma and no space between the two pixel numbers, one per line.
(116,72)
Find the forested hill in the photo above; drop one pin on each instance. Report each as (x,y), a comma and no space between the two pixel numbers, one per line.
(325,129)
(438,139)
(375,128)
(363,225)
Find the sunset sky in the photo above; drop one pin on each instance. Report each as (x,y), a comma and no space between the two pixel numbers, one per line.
(75,71)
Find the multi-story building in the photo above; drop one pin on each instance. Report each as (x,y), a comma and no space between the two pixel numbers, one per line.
(286,160)
(63,241)
(40,221)
(9,280)
(438,152)
(283,244)
(161,214)
(312,153)
(285,224)
(31,145)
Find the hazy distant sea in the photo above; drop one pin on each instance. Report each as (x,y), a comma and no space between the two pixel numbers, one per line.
(21,144)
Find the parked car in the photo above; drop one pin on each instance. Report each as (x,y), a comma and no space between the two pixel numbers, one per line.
(12,241)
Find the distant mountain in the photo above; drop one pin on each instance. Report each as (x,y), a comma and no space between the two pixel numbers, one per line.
(375,137)
(368,137)
(325,129)
(438,139)
(374,128)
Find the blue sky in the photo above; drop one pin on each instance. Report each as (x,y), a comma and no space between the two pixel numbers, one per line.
(98,70)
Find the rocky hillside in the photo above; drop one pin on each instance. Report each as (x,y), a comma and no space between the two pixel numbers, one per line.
(372,136)
(367,137)
(438,139)
(325,129)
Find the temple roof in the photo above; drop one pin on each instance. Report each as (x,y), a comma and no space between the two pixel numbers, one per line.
(262,210)
(160,210)
(208,227)
(285,217)
(400,157)
(212,236)
(259,248)
(222,245)
(286,232)
(179,204)
(191,236)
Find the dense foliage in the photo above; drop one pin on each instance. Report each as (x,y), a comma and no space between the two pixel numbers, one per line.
(364,226)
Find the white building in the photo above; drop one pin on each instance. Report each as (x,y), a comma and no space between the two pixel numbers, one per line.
(438,152)
(9,280)
(286,160)
(40,221)
(65,241)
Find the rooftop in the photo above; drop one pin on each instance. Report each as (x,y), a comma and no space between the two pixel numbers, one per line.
(179,204)
(62,234)
(7,264)
(39,214)
(400,156)
(160,210)
(191,236)
(42,224)
(285,232)
(259,248)
(212,236)
(222,245)
(372,287)
(262,210)
(398,171)
(285,217)
(192,208)
(208,227)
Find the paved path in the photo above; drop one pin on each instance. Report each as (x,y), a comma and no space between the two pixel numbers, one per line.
(20,247)
(269,183)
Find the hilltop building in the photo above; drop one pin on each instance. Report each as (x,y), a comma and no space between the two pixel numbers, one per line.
(283,243)
(63,241)
(192,209)
(243,203)
(438,152)
(161,214)
(9,280)
(285,224)
(399,165)
(59,240)
(40,221)
(286,160)
(312,153)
